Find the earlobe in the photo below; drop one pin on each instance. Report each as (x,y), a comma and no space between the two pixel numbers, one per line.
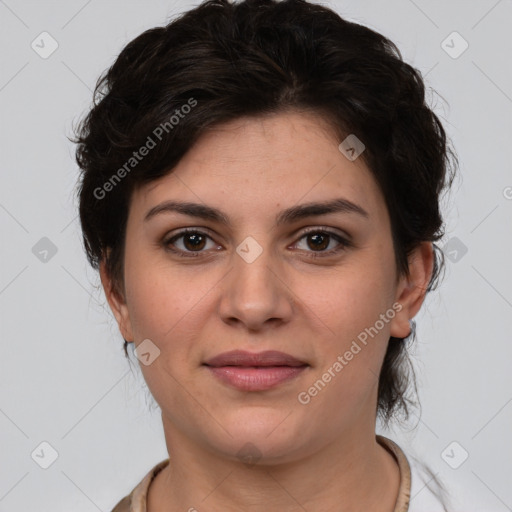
(116,302)
(412,289)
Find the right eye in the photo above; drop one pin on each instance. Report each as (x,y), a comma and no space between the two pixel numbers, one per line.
(193,241)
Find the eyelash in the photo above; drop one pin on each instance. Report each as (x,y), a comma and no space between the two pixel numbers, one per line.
(343,243)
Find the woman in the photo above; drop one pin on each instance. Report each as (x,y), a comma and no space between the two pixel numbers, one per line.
(260,193)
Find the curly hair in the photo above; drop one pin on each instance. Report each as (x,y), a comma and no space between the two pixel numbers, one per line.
(220,61)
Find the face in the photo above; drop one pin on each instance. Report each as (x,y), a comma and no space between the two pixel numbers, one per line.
(257,271)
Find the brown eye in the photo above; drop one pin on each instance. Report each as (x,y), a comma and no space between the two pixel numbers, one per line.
(188,243)
(318,241)
(193,241)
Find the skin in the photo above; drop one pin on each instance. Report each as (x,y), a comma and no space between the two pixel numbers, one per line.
(314,457)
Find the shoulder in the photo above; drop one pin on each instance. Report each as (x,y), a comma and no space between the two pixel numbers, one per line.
(428,492)
(419,491)
(123,505)
(441,491)
(136,500)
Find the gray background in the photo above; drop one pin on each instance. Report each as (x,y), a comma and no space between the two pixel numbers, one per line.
(64,377)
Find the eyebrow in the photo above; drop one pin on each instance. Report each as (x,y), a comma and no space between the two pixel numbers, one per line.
(288,216)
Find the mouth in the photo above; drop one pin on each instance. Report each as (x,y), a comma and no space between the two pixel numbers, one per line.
(248,371)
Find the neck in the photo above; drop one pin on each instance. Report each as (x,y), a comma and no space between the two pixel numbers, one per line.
(357,473)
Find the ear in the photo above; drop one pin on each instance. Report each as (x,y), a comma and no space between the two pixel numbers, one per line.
(412,289)
(116,302)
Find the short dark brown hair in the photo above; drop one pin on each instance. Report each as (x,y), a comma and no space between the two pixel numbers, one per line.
(257,57)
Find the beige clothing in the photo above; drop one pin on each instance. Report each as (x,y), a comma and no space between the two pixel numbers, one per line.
(137,499)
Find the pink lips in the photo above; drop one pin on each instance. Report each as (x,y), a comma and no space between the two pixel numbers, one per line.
(255,371)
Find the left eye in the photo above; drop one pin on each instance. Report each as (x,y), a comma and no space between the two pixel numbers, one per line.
(193,241)
(320,240)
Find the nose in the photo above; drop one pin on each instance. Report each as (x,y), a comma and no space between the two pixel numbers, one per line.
(255,294)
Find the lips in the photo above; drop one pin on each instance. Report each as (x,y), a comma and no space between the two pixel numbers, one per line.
(248,371)
(261,359)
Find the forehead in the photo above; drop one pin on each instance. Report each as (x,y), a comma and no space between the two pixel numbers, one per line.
(254,164)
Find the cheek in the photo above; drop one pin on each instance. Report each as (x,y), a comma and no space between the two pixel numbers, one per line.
(151,312)
(350,357)
(160,297)
(170,308)
(356,306)
(349,300)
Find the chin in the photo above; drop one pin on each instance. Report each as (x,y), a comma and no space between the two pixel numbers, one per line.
(260,435)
